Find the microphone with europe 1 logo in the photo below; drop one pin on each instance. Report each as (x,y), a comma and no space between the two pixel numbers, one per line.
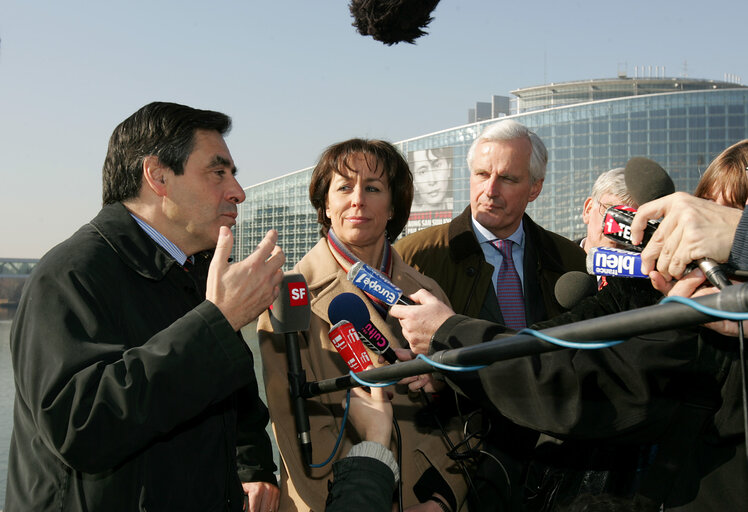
(289,314)
(349,306)
(377,285)
(344,337)
(617,226)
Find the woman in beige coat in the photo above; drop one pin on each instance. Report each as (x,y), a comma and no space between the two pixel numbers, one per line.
(362,190)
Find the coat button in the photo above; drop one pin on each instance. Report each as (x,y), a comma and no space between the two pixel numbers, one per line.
(470,271)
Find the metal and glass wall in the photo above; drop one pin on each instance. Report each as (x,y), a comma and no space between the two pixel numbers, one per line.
(682,131)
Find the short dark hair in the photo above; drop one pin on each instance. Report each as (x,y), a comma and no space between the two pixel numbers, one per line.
(164,130)
(393,165)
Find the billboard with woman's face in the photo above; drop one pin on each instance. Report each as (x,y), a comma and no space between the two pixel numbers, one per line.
(432,182)
(432,173)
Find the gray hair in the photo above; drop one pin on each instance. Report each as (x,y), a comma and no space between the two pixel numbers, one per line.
(510,130)
(612,182)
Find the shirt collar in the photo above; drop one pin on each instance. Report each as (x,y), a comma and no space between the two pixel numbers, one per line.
(163,242)
(485,236)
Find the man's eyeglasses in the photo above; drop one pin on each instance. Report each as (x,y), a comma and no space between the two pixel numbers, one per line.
(603,207)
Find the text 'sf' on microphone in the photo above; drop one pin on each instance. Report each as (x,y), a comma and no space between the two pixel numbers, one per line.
(344,337)
(290,314)
(376,284)
(605,261)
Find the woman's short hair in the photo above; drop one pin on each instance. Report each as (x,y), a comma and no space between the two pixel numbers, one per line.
(727,174)
(380,155)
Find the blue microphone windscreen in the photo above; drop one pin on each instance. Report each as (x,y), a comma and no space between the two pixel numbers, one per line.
(348,306)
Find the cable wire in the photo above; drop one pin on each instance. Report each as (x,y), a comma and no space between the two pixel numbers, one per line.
(448,367)
(727,315)
(585,345)
(340,434)
(370,384)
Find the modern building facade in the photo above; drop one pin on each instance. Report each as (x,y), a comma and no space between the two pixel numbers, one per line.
(588,127)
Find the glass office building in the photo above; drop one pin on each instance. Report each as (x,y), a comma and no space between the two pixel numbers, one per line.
(682,128)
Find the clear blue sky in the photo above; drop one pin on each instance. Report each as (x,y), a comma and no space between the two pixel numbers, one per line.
(295,77)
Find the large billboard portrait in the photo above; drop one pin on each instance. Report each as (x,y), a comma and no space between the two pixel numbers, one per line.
(432,182)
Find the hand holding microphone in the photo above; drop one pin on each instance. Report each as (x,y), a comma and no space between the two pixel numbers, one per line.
(421,320)
(648,183)
(691,229)
(617,224)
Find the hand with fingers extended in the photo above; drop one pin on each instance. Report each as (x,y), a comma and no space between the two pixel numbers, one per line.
(243,290)
(692,228)
(420,321)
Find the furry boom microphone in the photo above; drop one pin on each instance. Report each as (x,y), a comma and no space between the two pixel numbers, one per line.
(392,21)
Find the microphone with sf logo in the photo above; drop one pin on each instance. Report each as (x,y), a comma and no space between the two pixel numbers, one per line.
(290,314)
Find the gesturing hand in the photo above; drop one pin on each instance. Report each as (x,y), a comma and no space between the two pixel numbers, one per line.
(245,289)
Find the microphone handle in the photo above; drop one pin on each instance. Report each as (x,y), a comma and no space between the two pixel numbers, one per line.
(713,272)
(297,381)
(387,352)
(389,355)
(405,301)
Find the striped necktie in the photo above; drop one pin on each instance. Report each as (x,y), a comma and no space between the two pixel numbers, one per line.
(189,265)
(509,288)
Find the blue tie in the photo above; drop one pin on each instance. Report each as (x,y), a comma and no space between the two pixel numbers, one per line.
(509,288)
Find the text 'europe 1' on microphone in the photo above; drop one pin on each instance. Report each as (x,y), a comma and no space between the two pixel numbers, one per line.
(377,285)
(349,306)
(344,338)
(289,314)
(617,226)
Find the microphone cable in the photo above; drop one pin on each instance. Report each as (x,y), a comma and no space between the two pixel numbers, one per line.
(452,447)
(340,433)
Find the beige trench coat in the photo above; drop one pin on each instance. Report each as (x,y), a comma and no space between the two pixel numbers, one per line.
(306,489)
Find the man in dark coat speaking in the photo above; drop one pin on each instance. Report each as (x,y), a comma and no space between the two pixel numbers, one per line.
(134,388)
